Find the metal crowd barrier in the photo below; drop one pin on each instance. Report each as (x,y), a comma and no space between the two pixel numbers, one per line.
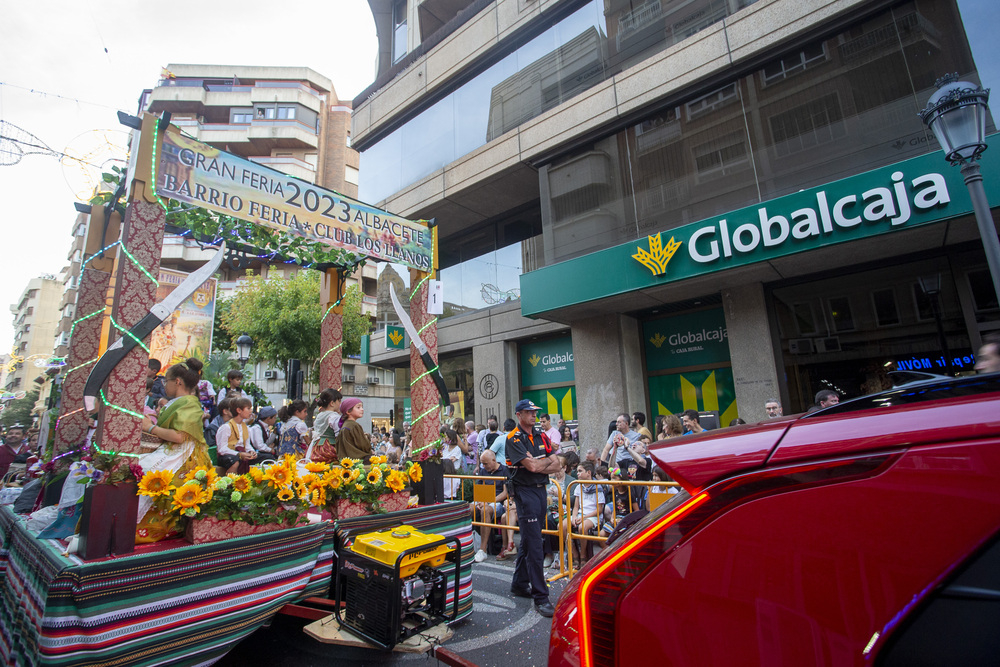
(484,491)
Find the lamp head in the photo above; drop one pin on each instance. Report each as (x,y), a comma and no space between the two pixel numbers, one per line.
(956,113)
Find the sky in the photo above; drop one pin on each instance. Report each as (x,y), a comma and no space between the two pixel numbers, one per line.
(86,59)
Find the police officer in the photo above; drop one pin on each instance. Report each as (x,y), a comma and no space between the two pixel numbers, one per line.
(530,459)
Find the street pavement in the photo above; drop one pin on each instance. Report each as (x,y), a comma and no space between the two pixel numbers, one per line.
(502,630)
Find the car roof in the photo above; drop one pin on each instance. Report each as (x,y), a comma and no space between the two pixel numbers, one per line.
(923,412)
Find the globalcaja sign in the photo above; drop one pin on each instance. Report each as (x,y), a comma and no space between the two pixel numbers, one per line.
(547,362)
(682,341)
(912,193)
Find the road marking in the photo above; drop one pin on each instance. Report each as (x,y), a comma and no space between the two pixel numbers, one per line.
(494,599)
(521,626)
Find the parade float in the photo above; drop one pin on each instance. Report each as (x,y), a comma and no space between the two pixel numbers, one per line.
(75,587)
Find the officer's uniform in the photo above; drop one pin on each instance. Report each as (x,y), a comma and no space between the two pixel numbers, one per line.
(529,497)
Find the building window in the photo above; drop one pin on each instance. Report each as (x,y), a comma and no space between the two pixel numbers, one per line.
(922,303)
(241,116)
(984,297)
(351,175)
(811,124)
(886,310)
(710,102)
(719,155)
(781,69)
(840,313)
(398,30)
(286,113)
(804,318)
(348,140)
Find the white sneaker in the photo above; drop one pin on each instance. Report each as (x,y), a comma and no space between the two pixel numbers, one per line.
(480,556)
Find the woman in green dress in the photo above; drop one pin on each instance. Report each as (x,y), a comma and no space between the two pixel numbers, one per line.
(180,428)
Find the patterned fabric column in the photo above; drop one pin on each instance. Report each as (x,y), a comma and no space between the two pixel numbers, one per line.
(135,294)
(424,394)
(71,428)
(331,362)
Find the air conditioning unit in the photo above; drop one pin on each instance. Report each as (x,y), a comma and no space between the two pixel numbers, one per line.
(831,344)
(800,346)
(349,378)
(373,380)
(270,375)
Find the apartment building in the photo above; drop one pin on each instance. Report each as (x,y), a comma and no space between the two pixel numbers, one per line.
(36,316)
(660,205)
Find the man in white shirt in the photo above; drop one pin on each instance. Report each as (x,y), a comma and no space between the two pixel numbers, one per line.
(550,430)
(232,440)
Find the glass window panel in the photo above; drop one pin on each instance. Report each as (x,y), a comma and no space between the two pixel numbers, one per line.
(804,318)
(840,313)
(984,297)
(886,311)
(922,302)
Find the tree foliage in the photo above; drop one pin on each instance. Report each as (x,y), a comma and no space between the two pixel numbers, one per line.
(284,318)
(18,411)
(221,340)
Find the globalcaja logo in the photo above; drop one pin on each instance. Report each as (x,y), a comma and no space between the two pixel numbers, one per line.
(395,337)
(657,257)
(658,339)
(534,359)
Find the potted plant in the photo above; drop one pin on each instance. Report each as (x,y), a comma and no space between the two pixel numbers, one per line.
(356,489)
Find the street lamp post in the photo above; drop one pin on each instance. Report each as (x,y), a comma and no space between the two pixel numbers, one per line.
(956,113)
(244,344)
(931,287)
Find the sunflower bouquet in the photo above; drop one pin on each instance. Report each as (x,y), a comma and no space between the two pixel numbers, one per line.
(274,495)
(359,483)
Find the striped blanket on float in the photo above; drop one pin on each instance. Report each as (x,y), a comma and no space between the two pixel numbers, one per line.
(178,604)
(187,605)
(447,519)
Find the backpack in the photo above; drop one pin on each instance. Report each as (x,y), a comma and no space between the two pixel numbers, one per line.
(491,438)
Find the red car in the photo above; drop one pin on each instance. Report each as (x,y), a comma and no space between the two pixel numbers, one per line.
(863,534)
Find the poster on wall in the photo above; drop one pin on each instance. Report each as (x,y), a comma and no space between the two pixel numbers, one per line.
(706,390)
(693,339)
(188,330)
(558,401)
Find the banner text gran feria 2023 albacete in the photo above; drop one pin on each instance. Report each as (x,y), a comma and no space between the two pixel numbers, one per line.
(196,173)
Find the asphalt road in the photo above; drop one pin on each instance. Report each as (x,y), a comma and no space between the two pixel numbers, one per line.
(502,630)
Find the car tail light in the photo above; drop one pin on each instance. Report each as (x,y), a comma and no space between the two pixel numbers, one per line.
(588,605)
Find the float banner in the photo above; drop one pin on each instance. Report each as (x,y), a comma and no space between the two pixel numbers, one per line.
(695,339)
(198,174)
(188,330)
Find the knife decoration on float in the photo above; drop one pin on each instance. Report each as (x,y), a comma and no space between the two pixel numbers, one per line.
(425,354)
(157,314)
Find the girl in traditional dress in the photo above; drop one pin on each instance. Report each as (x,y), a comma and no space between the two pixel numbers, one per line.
(326,425)
(179,426)
(353,442)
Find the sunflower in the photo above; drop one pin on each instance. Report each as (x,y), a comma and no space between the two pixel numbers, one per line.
(379,459)
(317,466)
(359,487)
(241,483)
(347,463)
(375,476)
(396,481)
(279,476)
(156,483)
(353,476)
(257,475)
(335,483)
(285,494)
(189,497)
(416,473)
(288,460)
(318,497)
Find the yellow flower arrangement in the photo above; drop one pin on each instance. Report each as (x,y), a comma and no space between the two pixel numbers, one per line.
(396,481)
(156,483)
(416,472)
(241,483)
(317,466)
(279,476)
(188,498)
(374,476)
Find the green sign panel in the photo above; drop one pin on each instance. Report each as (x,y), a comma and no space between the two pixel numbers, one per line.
(395,338)
(547,362)
(407,410)
(915,192)
(695,339)
(696,390)
(560,401)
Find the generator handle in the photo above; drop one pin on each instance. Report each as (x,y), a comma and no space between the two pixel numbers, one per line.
(457,561)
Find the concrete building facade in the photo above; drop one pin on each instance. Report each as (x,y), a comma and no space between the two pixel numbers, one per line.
(36,317)
(704,204)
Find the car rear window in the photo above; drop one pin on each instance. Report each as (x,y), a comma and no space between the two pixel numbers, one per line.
(917,392)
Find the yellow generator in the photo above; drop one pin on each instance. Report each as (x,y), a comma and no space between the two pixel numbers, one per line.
(392,584)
